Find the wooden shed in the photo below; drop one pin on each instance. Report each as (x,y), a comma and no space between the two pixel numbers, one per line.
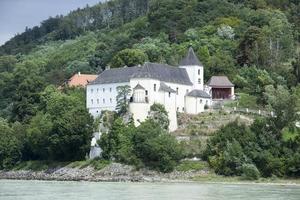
(221,87)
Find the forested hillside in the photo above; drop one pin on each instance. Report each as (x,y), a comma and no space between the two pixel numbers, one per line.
(254,42)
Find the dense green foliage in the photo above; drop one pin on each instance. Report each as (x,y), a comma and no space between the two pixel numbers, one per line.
(129,58)
(269,147)
(10,146)
(254,43)
(146,145)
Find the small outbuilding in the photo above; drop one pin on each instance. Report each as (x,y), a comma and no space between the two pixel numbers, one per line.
(220,87)
(197,101)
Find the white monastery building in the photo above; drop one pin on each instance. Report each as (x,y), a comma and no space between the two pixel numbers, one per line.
(179,89)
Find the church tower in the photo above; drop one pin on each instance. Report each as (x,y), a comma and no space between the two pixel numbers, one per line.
(194,69)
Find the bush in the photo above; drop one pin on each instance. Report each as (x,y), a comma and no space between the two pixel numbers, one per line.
(155,147)
(250,172)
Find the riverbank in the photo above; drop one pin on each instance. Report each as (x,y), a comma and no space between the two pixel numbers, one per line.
(113,172)
(116,172)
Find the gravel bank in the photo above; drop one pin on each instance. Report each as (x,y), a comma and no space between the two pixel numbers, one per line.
(114,172)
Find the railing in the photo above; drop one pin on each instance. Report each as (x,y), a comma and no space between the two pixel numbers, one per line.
(249,111)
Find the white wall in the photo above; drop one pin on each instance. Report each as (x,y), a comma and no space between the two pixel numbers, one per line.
(194,76)
(140,111)
(182,91)
(102,97)
(195,105)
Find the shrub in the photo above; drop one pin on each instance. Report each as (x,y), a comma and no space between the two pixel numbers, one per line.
(250,172)
(155,147)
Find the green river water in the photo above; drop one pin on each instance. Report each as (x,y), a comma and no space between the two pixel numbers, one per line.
(52,190)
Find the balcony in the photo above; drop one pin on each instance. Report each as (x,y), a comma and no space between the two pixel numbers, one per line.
(139,99)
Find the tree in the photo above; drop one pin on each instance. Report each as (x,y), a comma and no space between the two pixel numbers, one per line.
(155,147)
(122,99)
(129,58)
(7,63)
(283,104)
(159,115)
(10,146)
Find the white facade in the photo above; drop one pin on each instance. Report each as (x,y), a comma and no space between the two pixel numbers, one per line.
(149,86)
(196,74)
(102,97)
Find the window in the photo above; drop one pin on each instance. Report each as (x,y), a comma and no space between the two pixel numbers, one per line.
(92,101)
(154,88)
(199,71)
(177,109)
(103,89)
(110,89)
(146,92)
(97,101)
(182,109)
(187,90)
(199,80)
(169,94)
(92,90)
(206,102)
(110,100)
(200,100)
(97,89)
(177,91)
(103,100)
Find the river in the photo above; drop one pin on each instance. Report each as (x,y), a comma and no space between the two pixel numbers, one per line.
(52,190)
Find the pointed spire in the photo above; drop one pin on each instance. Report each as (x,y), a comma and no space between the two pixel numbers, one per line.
(190,59)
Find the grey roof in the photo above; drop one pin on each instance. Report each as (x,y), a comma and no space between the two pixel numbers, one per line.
(198,93)
(160,72)
(190,59)
(138,87)
(219,81)
(163,87)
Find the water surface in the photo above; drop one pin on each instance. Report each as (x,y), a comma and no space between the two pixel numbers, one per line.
(52,190)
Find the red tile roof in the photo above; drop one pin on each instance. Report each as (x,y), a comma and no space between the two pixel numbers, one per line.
(80,79)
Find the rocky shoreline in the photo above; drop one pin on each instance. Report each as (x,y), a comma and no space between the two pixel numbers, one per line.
(114,172)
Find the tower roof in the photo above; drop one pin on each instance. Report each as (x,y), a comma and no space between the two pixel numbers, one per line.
(190,59)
